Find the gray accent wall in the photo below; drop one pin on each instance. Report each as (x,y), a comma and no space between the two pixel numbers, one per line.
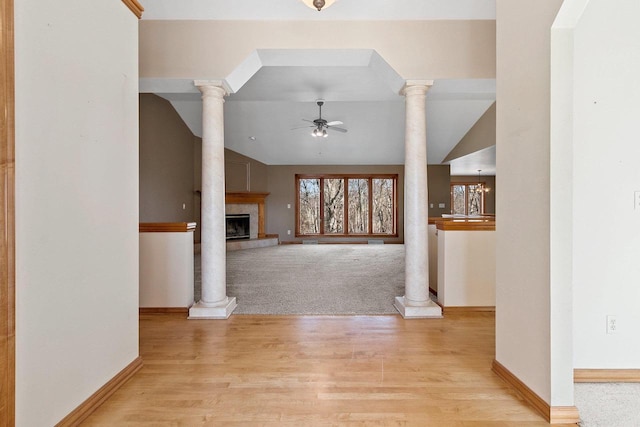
(439,189)
(166,163)
(243,173)
(482,135)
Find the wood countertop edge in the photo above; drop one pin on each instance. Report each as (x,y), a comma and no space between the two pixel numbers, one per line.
(166,227)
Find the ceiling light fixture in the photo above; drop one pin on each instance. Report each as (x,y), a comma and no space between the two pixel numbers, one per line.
(320,132)
(318,4)
(481,188)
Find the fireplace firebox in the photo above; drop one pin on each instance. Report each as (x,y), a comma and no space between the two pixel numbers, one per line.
(238,226)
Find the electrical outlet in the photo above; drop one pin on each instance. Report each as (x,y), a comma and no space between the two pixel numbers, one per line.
(288,231)
(612,324)
(636,198)
(441,205)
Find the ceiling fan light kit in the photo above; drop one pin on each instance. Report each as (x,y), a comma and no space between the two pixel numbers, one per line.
(320,132)
(318,4)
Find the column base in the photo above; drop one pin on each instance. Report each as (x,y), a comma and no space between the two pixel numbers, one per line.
(412,310)
(200,310)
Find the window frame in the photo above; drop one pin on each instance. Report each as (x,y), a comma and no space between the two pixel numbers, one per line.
(346,177)
(466,196)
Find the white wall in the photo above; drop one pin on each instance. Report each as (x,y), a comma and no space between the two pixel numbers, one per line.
(76,202)
(166,269)
(466,268)
(523,292)
(452,49)
(561,197)
(606,149)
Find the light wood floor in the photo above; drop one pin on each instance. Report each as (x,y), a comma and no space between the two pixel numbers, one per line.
(316,371)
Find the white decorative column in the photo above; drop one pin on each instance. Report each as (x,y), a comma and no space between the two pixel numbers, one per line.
(416,302)
(214,302)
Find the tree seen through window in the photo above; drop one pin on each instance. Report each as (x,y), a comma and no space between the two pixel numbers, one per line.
(346,205)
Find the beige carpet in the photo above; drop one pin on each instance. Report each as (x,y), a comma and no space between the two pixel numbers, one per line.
(608,404)
(314,279)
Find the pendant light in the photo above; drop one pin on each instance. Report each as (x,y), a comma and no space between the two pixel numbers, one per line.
(318,4)
(480,188)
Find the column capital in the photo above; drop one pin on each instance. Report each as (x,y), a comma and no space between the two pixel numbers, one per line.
(205,86)
(412,87)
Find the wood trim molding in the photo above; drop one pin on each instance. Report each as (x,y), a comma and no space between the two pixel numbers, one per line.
(468,310)
(552,414)
(7,215)
(135,7)
(245,197)
(483,224)
(345,177)
(606,375)
(94,401)
(166,227)
(434,219)
(164,310)
(564,415)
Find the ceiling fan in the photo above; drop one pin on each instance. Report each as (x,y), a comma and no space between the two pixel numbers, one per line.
(320,125)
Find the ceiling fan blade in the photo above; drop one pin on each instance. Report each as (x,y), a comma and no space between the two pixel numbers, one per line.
(303,127)
(335,123)
(306,120)
(338,129)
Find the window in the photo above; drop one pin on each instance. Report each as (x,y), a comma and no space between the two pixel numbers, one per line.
(358,206)
(346,205)
(466,200)
(309,206)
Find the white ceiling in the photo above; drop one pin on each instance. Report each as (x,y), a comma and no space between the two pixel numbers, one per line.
(342,9)
(274,90)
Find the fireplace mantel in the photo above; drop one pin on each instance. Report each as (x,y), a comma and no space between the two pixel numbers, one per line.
(248,197)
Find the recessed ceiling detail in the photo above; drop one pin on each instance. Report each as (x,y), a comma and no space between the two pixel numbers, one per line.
(274,90)
(303,75)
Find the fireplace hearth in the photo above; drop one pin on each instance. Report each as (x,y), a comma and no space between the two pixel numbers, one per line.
(238,226)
